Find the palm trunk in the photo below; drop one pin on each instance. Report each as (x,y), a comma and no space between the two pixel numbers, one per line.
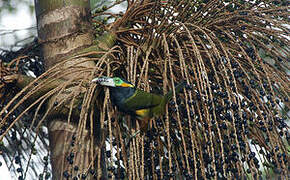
(64,27)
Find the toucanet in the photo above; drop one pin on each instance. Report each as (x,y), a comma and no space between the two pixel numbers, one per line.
(136,102)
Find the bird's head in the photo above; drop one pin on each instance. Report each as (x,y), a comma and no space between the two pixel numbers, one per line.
(112,82)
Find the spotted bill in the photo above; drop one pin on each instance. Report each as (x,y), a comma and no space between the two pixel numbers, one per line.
(100,80)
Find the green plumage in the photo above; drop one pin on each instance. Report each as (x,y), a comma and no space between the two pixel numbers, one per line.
(143,100)
(143,105)
(153,102)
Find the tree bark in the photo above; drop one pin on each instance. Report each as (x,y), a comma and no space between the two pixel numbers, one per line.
(64,28)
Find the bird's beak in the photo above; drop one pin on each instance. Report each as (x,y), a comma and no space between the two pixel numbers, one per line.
(104,81)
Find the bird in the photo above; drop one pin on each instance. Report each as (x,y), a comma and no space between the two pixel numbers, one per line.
(139,104)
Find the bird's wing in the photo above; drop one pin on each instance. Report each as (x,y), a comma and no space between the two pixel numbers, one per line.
(142,100)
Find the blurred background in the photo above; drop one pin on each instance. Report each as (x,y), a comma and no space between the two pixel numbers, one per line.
(17,29)
(17,23)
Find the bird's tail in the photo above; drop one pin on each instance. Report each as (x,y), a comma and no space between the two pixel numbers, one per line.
(178,88)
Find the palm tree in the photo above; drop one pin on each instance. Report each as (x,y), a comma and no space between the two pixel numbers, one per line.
(229,122)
